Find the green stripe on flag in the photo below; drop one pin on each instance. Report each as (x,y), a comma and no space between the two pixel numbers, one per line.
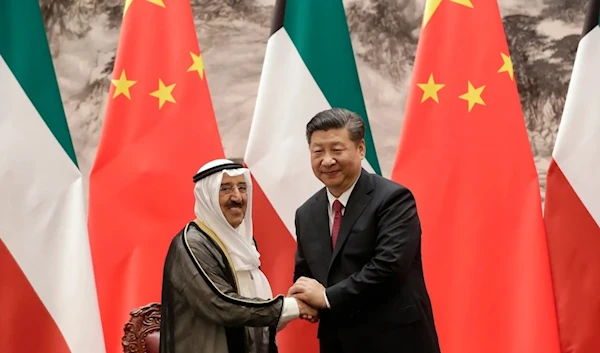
(320,33)
(24,47)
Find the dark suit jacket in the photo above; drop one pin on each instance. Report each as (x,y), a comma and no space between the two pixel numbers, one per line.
(374,277)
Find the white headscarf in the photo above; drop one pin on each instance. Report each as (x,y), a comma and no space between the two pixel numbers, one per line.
(239,242)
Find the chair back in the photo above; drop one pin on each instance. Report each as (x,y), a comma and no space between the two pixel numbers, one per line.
(142,331)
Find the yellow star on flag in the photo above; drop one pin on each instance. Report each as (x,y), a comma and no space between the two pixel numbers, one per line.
(430,89)
(164,93)
(198,65)
(157,2)
(473,96)
(430,7)
(122,85)
(127,4)
(507,66)
(466,3)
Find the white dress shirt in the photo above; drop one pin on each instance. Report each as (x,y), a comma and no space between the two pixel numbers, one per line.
(344,201)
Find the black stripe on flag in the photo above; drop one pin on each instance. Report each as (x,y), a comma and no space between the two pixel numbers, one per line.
(592,17)
(278,16)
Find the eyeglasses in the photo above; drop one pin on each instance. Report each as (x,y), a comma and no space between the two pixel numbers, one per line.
(228,189)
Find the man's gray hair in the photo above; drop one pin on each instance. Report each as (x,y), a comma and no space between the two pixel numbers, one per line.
(337,118)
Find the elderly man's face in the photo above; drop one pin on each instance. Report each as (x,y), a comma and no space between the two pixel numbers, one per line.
(233,199)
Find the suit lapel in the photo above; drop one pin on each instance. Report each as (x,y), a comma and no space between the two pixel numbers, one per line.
(358,201)
(322,238)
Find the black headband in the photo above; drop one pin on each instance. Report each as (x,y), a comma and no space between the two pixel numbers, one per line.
(203,174)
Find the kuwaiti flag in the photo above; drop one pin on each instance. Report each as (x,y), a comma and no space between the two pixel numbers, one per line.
(572,208)
(309,66)
(47,292)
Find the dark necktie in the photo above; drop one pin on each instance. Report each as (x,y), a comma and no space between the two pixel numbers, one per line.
(337,221)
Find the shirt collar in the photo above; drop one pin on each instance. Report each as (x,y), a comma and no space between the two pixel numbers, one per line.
(343,197)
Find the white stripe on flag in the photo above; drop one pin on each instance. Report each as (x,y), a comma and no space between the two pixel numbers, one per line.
(277,152)
(578,142)
(42,218)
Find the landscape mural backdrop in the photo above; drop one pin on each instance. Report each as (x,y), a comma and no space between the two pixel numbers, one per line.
(83,34)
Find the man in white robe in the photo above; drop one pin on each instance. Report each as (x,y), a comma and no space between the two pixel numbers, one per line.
(215,298)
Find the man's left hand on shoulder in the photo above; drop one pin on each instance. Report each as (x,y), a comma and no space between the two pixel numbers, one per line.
(309,291)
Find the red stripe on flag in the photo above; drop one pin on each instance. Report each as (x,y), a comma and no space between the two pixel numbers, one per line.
(25,324)
(574,247)
(277,249)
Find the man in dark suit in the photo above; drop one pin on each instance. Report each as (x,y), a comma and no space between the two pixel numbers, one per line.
(358,258)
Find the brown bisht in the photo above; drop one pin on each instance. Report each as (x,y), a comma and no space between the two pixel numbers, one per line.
(202,310)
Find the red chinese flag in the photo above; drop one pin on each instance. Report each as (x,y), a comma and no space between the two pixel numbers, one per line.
(465,154)
(158,130)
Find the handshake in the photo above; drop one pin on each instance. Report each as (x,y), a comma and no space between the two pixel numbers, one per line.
(310,295)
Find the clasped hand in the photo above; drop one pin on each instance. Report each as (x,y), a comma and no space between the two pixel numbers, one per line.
(310,296)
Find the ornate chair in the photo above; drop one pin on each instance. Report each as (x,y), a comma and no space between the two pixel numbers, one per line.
(142,331)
